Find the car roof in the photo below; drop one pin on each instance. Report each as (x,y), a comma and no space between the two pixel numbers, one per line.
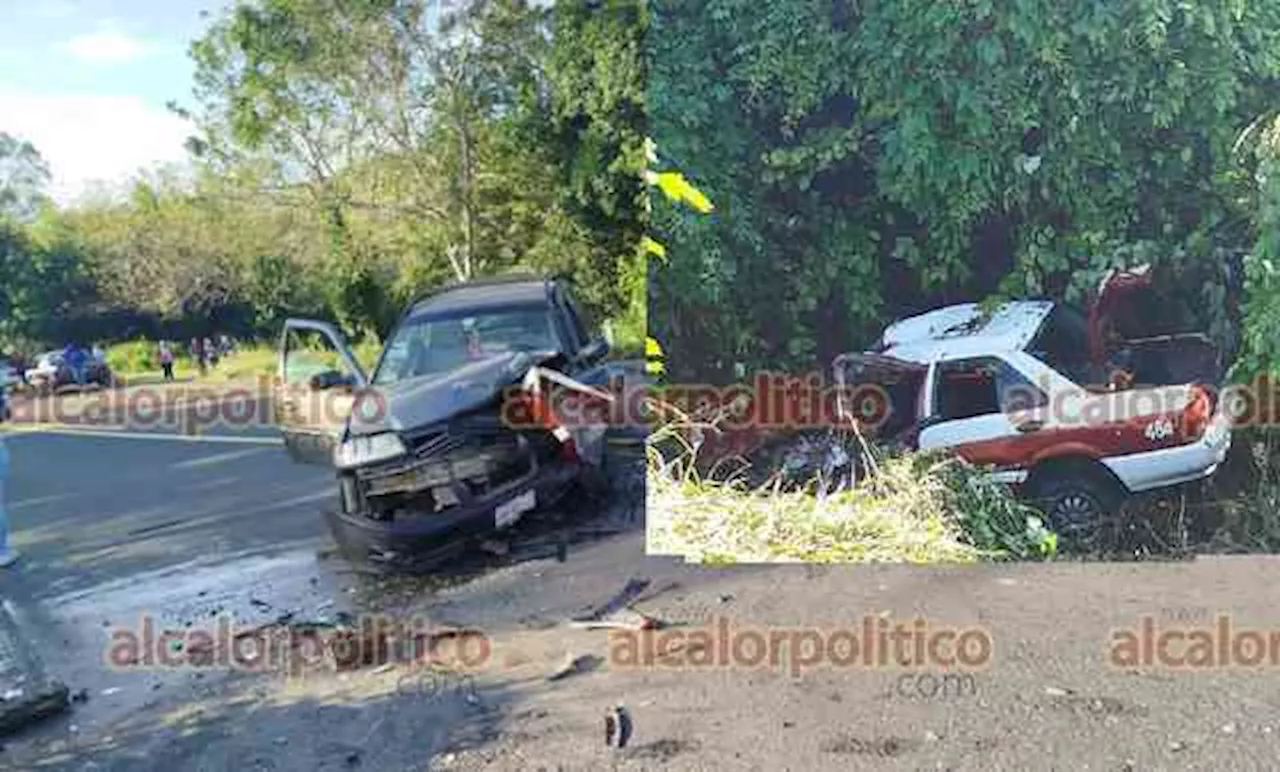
(962,330)
(486,293)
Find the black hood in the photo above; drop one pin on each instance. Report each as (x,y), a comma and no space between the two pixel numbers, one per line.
(417,402)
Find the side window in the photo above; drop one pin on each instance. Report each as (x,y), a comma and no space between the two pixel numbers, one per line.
(1015,391)
(966,388)
(974,387)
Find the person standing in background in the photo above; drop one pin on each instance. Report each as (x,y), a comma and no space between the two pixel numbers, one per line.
(197,353)
(8,555)
(166,360)
(74,357)
(211,352)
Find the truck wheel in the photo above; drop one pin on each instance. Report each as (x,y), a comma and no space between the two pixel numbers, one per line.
(1076,504)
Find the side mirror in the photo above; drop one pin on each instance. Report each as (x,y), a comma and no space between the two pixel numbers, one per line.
(594,350)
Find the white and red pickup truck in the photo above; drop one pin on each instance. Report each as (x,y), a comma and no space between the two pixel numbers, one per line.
(1075,410)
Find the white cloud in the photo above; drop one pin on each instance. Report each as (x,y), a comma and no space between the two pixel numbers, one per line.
(106,46)
(88,138)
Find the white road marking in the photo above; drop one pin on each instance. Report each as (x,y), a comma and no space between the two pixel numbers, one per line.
(216,459)
(72,430)
(40,500)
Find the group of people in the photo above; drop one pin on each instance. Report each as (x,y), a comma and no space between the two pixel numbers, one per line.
(78,359)
(205,352)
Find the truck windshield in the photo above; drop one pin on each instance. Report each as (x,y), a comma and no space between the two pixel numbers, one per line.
(433,344)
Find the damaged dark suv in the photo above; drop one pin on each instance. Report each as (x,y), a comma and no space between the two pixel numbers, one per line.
(435,446)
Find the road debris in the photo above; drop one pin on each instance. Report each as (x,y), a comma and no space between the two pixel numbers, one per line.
(661,589)
(573,665)
(629,594)
(616,614)
(623,619)
(617,727)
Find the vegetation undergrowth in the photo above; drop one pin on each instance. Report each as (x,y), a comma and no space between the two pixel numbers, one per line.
(905,507)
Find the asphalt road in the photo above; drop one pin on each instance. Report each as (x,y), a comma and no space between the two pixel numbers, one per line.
(115,527)
(86,509)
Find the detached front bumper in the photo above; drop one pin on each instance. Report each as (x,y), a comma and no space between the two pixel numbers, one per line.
(1171,466)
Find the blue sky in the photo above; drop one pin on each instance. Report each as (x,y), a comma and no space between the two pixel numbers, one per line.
(86,81)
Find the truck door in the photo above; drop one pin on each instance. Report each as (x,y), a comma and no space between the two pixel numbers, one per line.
(318,380)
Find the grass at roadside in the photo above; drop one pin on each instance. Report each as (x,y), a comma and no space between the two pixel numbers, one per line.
(136,363)
(910,508)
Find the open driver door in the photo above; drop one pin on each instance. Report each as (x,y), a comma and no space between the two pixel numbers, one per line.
(317,381)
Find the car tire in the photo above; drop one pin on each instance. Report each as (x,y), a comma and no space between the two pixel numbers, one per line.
(1076,504)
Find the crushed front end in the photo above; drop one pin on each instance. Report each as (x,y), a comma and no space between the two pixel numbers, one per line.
(458,480)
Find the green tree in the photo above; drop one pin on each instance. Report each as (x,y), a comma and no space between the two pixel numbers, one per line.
(869,159)
(24,175)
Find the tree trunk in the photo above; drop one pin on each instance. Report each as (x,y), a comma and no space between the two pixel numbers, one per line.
(468,216)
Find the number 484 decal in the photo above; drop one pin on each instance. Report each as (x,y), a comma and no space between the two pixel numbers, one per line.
(1159,430)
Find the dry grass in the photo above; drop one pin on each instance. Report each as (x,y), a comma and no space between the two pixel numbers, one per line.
(905,509)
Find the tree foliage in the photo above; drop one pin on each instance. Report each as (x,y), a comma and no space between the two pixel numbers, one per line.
(24,175)
(351,156)
(869,159)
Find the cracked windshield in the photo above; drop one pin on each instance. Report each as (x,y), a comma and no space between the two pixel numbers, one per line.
(427,345)
(639,385)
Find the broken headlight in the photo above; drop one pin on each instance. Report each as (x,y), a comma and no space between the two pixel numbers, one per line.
(367,449)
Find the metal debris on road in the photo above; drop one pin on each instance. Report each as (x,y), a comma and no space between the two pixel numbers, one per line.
(573,665)
(625,597)
(624,619)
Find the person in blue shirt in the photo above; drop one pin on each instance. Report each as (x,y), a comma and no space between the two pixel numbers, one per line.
(74,356)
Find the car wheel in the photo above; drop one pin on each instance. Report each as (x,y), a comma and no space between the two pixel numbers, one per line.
(1076,505)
